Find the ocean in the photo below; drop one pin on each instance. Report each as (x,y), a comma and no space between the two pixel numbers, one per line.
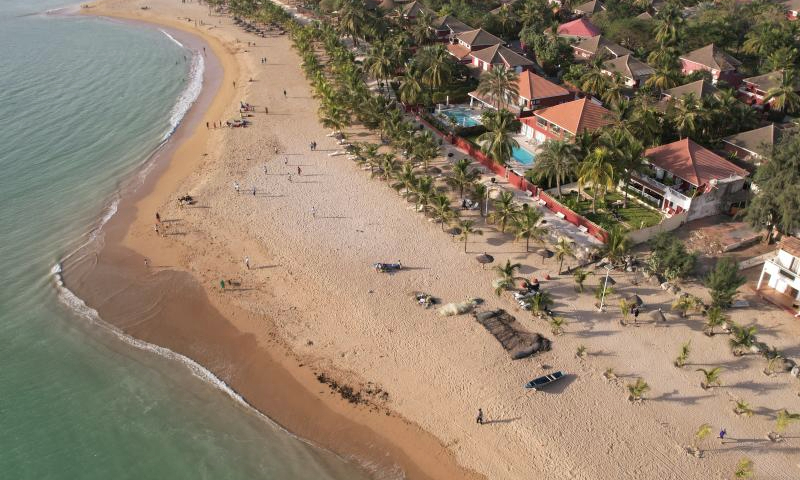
(84,102)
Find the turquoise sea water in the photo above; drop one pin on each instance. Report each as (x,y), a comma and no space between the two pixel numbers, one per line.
(83,102)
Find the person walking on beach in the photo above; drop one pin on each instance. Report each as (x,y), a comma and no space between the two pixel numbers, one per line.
(222,284)
(311,146)
(265,169)
(299,171)
(254,190)
(285,160)
(290,178)
(479,418)
(722,434)
(313,212)
(234,84)
(236,186)
(266,111)
(635,314)
(158,218)
(158,232)
(146,262)
(207,126)
(247,262)
(284,94)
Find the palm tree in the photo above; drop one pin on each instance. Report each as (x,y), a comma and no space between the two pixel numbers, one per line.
(497,141)
(504,210)
(702,432)
(526,225)
(684,304)
(637,390)
(557,325)
(773,356)
(710,377)
(406,179)
(462,176)
(563,249)
(617,245)
(579,275)
(380,64)
(438,66)
(598,170)
(594,81)
(541,302)
(742,408)
(688,116)
(467,228)
(352,19)
(424,191)
(714,318)
(744,469)
(410,89)
(481,193)
(784,419)
(390,167)
(507,276)
(743,339)
(680,361)
(333,117)
(425,148)
(500,85)
(781,59)
(628,155)
(441,209)
(556,160)
(662,79)
(784,97)
(625,309)
(421,31)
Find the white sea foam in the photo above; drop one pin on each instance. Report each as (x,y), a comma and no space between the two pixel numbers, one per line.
(171,38)
(189,94)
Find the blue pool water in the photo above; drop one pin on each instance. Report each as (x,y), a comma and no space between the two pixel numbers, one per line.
(523,156)
(464,118)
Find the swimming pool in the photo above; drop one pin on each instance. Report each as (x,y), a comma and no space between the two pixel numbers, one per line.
(463,117)
(523,156)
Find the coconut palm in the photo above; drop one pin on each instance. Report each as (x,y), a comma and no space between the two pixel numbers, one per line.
(462,176)
(497,141)
(781,59)
(500,85)
(594,81)
(684,304)
(744,469)
(390,167)
(784,419)
(507,276)
(541,302)
(662,79)
(743,339)
(406,179)
(526,225)
(556,161)
(710,377)
(625,309)
(352,19)
(424,192)
(380,62)
(617,245)
(688,116)
(421,31)
(628,155)
(580,352)
(637,390)
(784,97)
(467,228)
(425,148)
(598,170)
(557,325)
(680,361)
(440,206)
(437,65)
(505,210)
(714,318)
(703,431)
(563,249)
(580,275)
(481,193)
(334,117)
(410,89)
(742,408)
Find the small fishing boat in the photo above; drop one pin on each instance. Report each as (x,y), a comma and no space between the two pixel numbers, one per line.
(540,382)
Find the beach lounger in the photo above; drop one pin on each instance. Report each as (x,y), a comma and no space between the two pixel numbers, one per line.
(540,382)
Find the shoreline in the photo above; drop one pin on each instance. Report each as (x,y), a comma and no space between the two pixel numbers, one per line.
(116,263)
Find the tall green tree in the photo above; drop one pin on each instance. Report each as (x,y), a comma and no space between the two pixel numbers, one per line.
(784,97)
(505,210)
(498,141)
(556,161)
(723,281)
(597,169)
(500,85)
(776,204)
(526,225)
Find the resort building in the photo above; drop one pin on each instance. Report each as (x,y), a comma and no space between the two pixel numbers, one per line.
(632,71)
(533,92)
(564,121)
(577,29)
(753,146)
(496,55)
(588,8)
(780,277)
(412,10)
(598,45)
(472,40)
(686,177)
(700,89)
(711,59)
(753,90)
(448,27)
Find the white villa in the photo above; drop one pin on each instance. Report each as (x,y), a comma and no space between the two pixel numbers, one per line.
(780,278)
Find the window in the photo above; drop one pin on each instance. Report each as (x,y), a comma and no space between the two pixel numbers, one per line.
(541,122)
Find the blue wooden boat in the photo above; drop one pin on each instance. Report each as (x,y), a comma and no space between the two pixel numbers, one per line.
(540,382)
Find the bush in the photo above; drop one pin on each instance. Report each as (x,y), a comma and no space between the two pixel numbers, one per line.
(670,258)
(723,282)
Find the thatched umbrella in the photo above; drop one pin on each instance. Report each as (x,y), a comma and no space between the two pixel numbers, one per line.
(635,299)
(484,258)
(453,231)
(658,316)
(545,253)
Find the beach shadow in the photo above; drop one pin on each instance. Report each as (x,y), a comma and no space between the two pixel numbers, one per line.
(505,420)
(332,218)
(264,267)
(673,396)
(310,181)
(264,195)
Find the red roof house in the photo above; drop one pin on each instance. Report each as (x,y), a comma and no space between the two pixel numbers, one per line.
(688,177)
(566,120)
(471,41)
(533,92)
(714,60)
(580,28)
(496,55)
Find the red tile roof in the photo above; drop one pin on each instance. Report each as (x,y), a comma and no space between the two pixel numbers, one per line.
(459,51)
(712,57)
(581,28)
(532,87)
(498,54)
(574,117)
(692,162)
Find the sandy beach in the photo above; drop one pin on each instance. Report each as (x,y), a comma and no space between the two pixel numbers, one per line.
(310,307)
